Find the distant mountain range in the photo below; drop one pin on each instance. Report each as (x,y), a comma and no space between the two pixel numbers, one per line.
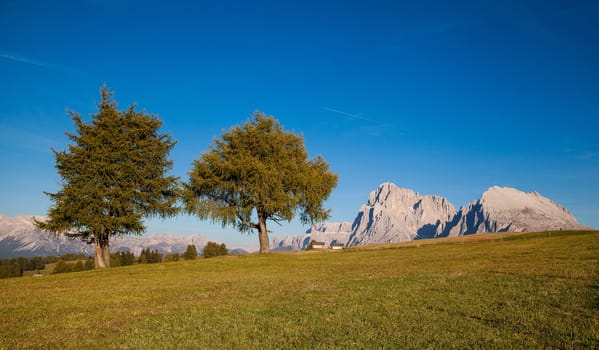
(391,214)
(19,237)
(328,232)
(394,214)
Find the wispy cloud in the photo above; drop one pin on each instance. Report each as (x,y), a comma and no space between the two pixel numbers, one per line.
(373,128)
(22,59)
(351,115)
(32,140)
(11,56)
(581,153)
(587,155)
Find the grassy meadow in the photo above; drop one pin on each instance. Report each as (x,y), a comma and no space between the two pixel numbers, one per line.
(537,290)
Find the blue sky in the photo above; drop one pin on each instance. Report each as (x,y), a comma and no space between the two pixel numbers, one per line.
(443,97)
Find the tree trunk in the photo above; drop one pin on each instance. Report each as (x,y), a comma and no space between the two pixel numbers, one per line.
(102,254)
(263,235)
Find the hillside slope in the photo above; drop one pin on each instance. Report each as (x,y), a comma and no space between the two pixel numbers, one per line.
(519,292)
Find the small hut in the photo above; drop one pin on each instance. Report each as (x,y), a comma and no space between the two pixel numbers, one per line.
(316,245)
(337,246)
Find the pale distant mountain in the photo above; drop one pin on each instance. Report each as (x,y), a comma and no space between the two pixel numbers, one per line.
(329,233)
(391,214)
(19,237)
(505,209)
(394,214)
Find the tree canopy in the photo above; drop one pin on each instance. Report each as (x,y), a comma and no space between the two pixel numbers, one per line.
(191,252)
(258,172)
(113,175)
(212,249)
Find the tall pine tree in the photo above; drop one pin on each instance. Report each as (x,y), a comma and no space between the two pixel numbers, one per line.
(113,175)
(258,172)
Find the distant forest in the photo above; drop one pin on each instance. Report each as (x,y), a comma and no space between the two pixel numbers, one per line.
(21,266)
(18,267)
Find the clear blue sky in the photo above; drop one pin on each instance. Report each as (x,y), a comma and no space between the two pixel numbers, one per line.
(443,97)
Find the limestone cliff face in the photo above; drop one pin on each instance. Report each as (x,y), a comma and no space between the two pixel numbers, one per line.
(504,209)
(394,214)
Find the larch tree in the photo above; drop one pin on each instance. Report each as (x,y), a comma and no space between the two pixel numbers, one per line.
(255,173)
(114,175)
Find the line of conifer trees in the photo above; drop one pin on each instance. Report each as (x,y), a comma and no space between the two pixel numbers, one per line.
(16,267)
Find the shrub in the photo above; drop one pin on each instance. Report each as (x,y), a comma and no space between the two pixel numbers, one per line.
(171,257)
(191,252)
(62,267)
(78,266)
(215,249)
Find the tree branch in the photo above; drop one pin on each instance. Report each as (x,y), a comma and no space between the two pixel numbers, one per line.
(244,222)
(276,220)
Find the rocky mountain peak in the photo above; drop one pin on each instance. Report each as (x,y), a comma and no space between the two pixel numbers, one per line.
(394,214)
(507,198)
(503,209)
(388,194)
(391,214)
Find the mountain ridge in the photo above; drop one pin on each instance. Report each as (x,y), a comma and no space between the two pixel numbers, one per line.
(394,214)
(390,214)
(20,237)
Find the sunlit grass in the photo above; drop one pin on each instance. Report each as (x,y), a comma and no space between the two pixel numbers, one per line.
(506,291)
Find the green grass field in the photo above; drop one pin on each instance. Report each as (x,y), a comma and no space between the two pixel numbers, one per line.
(484,291)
